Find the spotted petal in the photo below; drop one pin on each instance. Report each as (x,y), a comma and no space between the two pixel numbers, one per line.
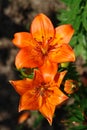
(64,33)
(42,28)
(48,108)
(63,53)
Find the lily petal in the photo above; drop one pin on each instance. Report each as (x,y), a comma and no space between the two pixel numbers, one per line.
(63,53)
(64,33)
(59,77)
(23,39)
(57,98)
(28,57)
(47,110)
(48,70)
(21,86)
(30,101)
(38,78)
(42,29)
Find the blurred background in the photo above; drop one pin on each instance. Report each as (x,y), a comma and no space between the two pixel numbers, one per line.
(16,16)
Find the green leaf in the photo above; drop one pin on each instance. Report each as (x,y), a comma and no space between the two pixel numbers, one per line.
(67,2)
(76,22)
(26,73)
(73,118)
(84,17)
(80,50)
(73,41)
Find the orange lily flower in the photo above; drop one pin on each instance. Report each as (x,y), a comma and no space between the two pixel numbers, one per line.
(70,86)
(44,45)
(38,94)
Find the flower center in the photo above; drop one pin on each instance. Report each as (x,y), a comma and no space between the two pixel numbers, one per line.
(44,50)
(43,90)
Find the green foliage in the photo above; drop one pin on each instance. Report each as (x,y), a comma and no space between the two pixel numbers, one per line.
(71,68)
(38,120)
(77,112)
(76,15)
(26,73)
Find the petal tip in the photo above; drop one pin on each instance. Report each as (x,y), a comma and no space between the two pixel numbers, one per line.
(50,120)
(11,82)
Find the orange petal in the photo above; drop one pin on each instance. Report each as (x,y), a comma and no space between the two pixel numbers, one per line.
(30,101)
(38,78)
(28,58)
(48,70)
(22,86)
(23,39)
(47,110)
(57,98)
(64,33)
(59,77)
(42,28)
(63,53)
